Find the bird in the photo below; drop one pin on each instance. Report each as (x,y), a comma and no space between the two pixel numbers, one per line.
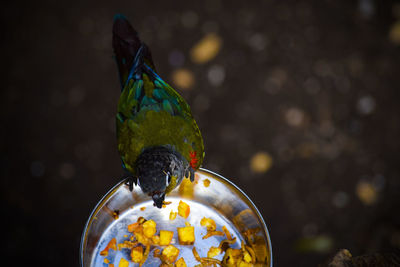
(158,139)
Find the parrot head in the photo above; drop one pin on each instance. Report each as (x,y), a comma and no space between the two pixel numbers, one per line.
(159,170)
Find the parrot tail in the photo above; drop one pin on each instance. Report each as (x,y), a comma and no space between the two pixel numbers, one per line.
(128,48)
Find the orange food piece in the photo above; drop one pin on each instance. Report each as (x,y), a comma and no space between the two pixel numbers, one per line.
(143,208)
(186,235)
(155,239)
(209,223)
(172,215)
(212,233)
(165,237)
(196,254)
(111,245)
(127,244)
(180,263)
(157,253)
(183,209)
(214,251)
(232,257)
(133,227)
(169,254)
(141,238)
(149,228)
(123,263)
(206,183)
(137,254)
(247,257)
(165,203)
(227,233)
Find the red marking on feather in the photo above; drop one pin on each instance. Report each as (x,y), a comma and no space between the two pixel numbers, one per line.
(194,160)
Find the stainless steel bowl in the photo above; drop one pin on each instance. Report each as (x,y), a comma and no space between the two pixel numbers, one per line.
(221,200)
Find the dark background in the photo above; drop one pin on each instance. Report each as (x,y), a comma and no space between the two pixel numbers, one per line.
(314,84)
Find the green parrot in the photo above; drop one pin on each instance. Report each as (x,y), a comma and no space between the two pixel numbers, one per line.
(158,139)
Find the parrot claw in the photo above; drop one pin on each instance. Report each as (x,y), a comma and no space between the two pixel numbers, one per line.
(129,181)
(191,174)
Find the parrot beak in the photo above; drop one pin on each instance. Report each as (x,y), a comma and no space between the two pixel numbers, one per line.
(158,199)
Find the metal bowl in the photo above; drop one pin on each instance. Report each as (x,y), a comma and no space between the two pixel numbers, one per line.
(222,201)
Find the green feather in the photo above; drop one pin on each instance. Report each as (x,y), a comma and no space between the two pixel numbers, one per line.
(157,117)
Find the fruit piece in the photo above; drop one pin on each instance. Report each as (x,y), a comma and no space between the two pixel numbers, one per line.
(165,237)
(213,251)
(180,263)
(231,257)
(247,257)
(183,209)
(133,227)
(209,223)
(149,228)
(111,245)
(206,183)
(141,238)
(186,235)
(172,215)
(137,254)
(123,263)
(169,254)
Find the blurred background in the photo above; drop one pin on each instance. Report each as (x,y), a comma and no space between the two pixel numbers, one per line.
(298,103)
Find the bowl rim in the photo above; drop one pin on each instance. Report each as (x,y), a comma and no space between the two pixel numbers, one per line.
(115,187)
